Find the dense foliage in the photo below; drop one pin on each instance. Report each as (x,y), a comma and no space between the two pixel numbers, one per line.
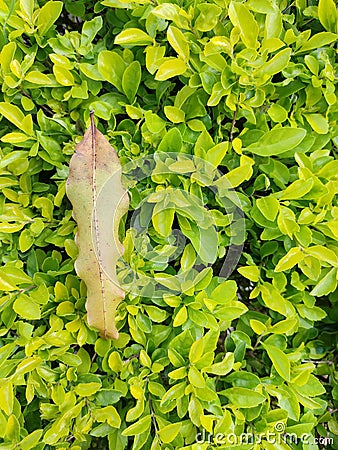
(224,115)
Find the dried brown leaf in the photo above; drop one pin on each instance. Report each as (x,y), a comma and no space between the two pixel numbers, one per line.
(99,202)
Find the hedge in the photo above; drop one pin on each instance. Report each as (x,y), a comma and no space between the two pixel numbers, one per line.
(224,117)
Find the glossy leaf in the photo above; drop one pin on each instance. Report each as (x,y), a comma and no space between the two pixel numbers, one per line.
(133,36)
(170,68)
(279,360)
(178,42)
(242,18)
(277,141)
(327,12)
(243,398)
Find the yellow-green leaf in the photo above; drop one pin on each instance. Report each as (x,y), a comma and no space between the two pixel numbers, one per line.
(48,14)
(87,389)
(163,219)
(243,397)
(318,123)
(169,432)
(7,397)
(133,36)
(297,189)
(242,18)
(279,360)
(138,427)
(293,257)
(38,78)
(27,308)
(175,115)
(178,42)
(171,68)
(63,76)
(327,12)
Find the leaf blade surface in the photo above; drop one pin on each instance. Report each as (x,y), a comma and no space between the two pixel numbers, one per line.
(99,202)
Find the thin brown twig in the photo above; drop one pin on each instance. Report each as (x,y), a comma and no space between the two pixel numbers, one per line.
(233,123)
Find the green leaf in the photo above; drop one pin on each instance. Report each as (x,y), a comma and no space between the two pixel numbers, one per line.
(115,362)
(195,377)
(224,292)
(26,240)
(196,350)
(169,432)
(178,42)
(170,68)
(27,8)
(38,78)
(323,254)
(284,326)
(14,138)
(11,277)
(268,206)
(277,141)
(154,57)
(131,80)
(27,365)
(277,113)
(16,116)
(242,173)
(287,221)
(275,64)
(298,189)
(327,12)
(87,389)
(175,392)
(274,300)
(318,40)
(108,414)
(279,360)
(216,154)
(154,122)
(27,308)
(243,379)
(133,36)
(250,272)
(90,29)
(63,76)
(314,313)
(208,17)
(7,397)
(318,123)
(243,397)
(242,18)
(138,427)
(326,285)
(31,441)
(175,115)
(257,326)
(48,14)
(195,410)
(293,257)
(183,166)
(223,367)
(111,66)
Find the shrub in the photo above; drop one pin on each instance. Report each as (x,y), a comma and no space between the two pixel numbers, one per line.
(224,116)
